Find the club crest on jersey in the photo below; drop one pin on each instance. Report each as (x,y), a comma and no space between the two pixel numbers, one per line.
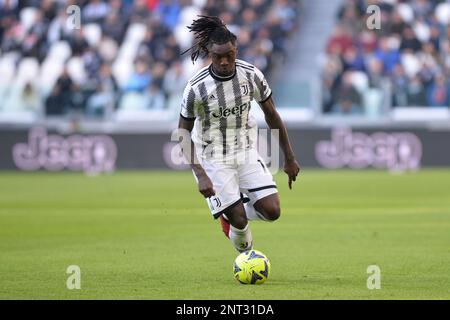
(244,89)
(226,112)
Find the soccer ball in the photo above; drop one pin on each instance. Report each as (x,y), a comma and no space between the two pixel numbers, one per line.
(251,267)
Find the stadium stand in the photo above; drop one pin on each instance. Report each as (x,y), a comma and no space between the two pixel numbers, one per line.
(125,57)
(407,60)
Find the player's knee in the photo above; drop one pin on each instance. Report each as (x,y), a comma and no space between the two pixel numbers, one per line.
(240,224)
(238,221)
(273,212)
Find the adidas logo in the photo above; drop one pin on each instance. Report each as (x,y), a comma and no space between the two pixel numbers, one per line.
(212,97)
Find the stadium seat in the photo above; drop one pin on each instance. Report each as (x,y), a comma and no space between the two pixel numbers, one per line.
(28,17)
(121,70)
(27,71)
(50,71)
(131,101)
(360,81)
(60,51)
(442,13)
(406,12)
(422,31)
(41,32)
(7,67)
(77,72)
(413,52)
(93,34)
(411,64)
(7,75)
(14,104)
(127,51)
(373,101)
(183,36)
(136,33)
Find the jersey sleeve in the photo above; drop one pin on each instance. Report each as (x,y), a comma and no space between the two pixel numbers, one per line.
(262,89)
(188,103)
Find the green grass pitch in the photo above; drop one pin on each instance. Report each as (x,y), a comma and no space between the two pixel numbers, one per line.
(149,235)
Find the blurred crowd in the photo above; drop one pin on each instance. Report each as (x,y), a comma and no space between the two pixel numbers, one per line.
(408,56)
(123,55)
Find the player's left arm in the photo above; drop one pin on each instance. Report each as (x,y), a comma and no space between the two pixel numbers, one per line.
(273,119)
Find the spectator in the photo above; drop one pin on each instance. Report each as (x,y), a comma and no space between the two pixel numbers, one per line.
(263,42)
(330,79)
(114,27)
(106,80)
(387,55)
(33,43)
(340,40)
(396,25)
(140,79)
(59,28)
(410,41)
(348,98)
(95,11)
(169,10)
(174,81)
(353,60)
(435,38)
(439,94)
(399,86)
(107,49)
(103,101)
(367,41)
(411,53)
(422,8)
(48,9)
(173,85)
(60,99)
(140,12)
(78,42)
(120,9)
(154,98)
(416,92)
(31,98)
(12,37)
(91,61)
(376,73)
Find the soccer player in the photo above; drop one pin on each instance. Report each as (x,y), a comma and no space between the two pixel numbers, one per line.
(215,112)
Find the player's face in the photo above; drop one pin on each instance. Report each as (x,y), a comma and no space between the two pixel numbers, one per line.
(223,58)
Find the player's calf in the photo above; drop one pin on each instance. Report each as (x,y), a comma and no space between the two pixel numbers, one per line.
(241,238)
(239,234)
(225,226)
(236,217)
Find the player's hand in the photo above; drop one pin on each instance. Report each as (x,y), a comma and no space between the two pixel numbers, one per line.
(205,186)
(292,168)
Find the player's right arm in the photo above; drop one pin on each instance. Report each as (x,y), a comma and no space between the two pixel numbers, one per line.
(185,125)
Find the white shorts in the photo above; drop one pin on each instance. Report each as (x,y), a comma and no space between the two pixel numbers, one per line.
(229,180)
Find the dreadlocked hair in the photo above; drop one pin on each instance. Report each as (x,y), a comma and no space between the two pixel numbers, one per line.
(208,30)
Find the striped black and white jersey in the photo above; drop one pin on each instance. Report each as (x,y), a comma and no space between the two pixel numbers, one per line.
(220,108)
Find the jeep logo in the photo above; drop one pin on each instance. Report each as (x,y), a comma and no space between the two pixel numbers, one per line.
(226,112)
